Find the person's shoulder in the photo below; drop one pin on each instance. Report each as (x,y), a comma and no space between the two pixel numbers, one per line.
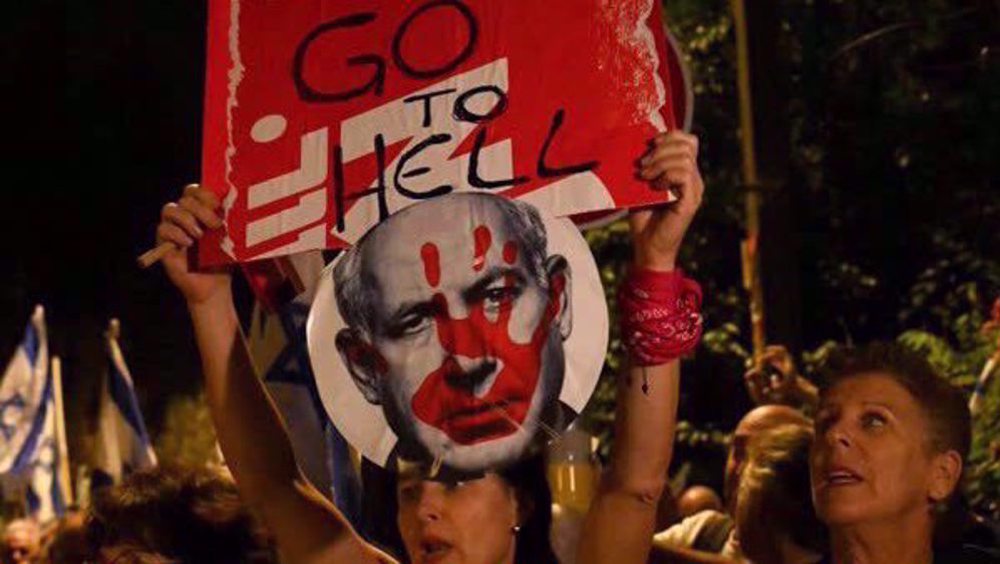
(686,532)
(967,554)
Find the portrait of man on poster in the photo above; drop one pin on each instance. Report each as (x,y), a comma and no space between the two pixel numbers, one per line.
(455,316)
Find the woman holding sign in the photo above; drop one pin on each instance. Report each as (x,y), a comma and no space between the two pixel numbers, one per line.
(499,517)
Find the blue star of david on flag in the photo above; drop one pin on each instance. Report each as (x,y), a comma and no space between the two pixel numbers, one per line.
(29,451)
(280,338)
(22,396)
(10,413)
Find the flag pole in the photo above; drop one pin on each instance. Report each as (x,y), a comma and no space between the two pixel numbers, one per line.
(750,246)
(65,486)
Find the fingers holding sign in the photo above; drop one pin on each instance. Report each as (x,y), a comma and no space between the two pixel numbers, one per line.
(182,224)
(670,164)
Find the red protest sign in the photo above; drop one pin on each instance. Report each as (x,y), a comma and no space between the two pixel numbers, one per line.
(325,117)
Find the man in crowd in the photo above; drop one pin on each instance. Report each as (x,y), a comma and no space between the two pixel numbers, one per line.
(712,530)
(21,542)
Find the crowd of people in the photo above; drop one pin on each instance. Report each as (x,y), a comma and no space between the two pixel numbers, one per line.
(865,469)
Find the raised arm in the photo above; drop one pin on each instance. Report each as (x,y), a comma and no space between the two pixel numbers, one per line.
(619,526)
(308,528)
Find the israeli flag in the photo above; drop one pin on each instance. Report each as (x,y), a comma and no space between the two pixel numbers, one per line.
(29,450)
(22,397)
(44,495)
(123,444)
(277,343)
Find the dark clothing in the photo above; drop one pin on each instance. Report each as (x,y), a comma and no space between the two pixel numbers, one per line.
(965,554)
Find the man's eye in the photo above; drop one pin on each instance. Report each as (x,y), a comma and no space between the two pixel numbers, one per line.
(501,295)
(410,325)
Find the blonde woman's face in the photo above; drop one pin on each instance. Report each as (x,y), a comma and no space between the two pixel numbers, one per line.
(870,460)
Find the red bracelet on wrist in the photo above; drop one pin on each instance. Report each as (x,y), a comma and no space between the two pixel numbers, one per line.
(660,316)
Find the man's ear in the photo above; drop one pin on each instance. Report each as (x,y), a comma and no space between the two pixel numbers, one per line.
(946,471)
(364,363)
(559,274)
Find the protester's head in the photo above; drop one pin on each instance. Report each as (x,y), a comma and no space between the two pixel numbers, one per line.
(753,423)
(774,513)
(891,437)
(456,315)
(183,515)
(21,541)
(498,517)
(697,499)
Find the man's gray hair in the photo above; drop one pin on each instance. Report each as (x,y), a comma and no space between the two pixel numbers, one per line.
(356,289)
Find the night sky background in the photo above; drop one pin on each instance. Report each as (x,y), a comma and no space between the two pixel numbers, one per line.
(107,116)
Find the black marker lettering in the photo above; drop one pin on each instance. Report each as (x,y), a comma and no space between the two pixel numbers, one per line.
(397,40)
(437,139)
(427,102)
(474,179)
(309,94)
(339,188)
(546,171)
(463,113)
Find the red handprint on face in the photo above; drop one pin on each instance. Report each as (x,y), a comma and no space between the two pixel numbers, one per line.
(485,384)
(483,240)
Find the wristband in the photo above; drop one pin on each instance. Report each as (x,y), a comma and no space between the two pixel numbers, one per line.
(660,316)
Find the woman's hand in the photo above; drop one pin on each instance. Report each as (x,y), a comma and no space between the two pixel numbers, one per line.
(657,232)
(183,223)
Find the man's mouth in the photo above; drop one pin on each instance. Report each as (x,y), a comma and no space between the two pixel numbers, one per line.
(484,421)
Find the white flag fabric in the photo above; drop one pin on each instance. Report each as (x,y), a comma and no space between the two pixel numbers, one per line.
(21,396)
(29,453)
(123,444)
(45,498)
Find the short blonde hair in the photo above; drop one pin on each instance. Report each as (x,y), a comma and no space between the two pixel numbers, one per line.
(774,499)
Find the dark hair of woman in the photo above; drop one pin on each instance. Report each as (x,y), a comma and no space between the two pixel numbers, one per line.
(186,515)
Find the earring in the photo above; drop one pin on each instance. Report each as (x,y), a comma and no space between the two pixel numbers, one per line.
(515,529)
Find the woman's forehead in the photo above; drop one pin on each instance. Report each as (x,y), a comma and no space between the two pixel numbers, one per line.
(869,388)
(445,478)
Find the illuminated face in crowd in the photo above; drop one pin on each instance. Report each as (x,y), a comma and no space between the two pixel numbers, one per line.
(462,325)
(872,460)
(470,522)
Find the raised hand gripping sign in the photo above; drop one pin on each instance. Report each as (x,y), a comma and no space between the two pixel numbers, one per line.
(325,117)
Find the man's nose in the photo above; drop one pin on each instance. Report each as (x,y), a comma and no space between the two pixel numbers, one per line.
(470,373)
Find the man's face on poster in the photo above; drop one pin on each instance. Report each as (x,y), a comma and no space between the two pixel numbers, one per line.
(466,325)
